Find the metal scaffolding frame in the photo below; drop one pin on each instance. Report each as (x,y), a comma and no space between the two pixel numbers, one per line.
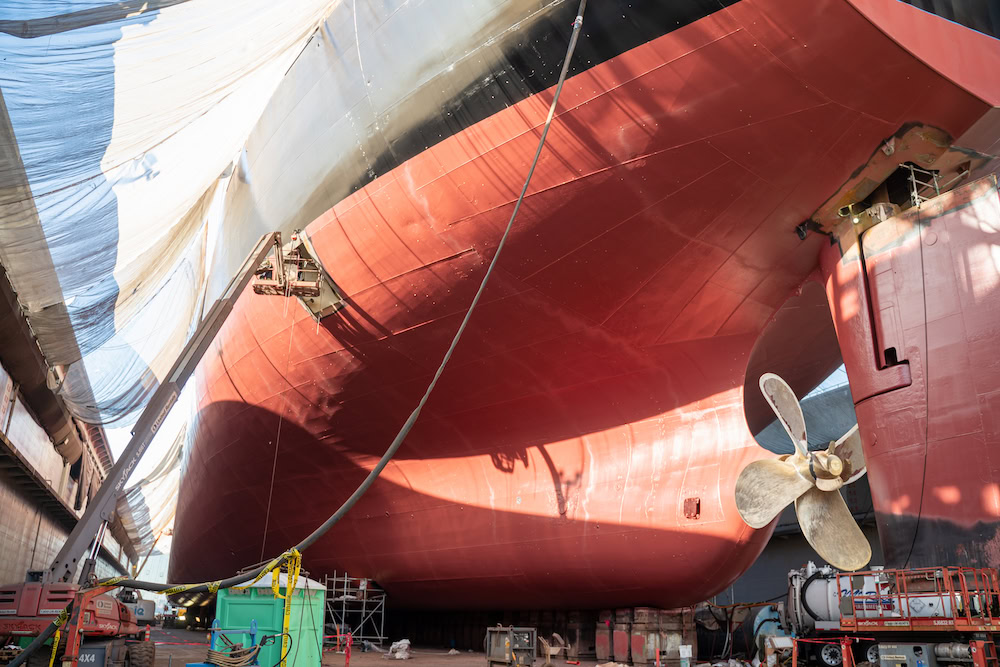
(356,605)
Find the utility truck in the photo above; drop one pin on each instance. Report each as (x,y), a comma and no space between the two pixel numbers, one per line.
(923,617)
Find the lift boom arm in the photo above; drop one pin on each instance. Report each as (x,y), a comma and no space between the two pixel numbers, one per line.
(102,507)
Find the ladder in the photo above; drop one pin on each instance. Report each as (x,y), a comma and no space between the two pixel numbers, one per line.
(984,653)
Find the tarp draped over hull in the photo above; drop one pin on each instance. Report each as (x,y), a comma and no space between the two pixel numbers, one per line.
(131,189)
(140,169)
(120,126)
(133,184)
(146,508)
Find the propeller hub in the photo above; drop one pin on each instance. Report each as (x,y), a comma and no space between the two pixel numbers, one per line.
(831,464)
(834,465)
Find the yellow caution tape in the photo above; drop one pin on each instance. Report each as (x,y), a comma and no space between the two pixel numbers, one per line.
(213,586)
(55,646)
(292,565)
(179,589)
(59,622)
(112,581)
(275,563)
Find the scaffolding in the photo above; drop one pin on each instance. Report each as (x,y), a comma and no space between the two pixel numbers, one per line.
(356,605)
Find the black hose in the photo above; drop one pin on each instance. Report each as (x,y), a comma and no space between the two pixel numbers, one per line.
(756,634)
(753,650)
(405,430)
(290,644)
(802,595)
(45,635)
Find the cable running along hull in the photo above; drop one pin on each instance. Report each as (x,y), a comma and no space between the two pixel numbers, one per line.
(583,445)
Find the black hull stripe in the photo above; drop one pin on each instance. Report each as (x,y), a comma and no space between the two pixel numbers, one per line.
(524,63)
(980,15)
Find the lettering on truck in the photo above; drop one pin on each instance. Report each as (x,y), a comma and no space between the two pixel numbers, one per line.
(146,439)
(866,600)
(895,624)
(20,628)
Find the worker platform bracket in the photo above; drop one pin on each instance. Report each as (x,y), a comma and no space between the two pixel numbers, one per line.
(302,276)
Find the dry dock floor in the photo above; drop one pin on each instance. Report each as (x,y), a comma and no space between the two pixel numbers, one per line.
(174,649)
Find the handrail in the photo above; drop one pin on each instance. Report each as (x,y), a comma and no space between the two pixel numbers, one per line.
(965,595)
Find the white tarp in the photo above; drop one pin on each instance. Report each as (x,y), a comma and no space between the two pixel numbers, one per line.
(146,508)
(127,118)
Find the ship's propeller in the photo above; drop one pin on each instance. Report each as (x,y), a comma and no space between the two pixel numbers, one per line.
(811,480)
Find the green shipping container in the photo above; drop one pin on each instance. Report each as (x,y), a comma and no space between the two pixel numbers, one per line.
(235,609)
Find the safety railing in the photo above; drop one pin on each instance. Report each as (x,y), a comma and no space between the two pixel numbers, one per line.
(935,598)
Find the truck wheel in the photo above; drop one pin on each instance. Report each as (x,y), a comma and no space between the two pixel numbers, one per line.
(142,654)
(871,654)
(830,655)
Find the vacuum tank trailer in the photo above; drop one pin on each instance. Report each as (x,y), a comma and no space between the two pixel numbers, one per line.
(924,617)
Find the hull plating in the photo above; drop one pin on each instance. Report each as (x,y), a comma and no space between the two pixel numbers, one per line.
(583,445)
(927,290)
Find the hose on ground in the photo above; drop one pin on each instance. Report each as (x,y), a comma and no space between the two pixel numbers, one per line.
(212,587)
(234,656)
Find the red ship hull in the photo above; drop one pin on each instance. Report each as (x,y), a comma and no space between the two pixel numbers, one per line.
(582,447)
(929,411)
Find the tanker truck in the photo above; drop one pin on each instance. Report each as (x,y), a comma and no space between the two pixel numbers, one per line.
(144,610)
(926,617)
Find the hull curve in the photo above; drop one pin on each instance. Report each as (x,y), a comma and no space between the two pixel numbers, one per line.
(583,445)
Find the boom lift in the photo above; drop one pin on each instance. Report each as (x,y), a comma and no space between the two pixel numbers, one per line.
(101,630)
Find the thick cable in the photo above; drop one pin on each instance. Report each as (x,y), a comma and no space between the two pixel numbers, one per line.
(407,426)
(318,533)
(802,594)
